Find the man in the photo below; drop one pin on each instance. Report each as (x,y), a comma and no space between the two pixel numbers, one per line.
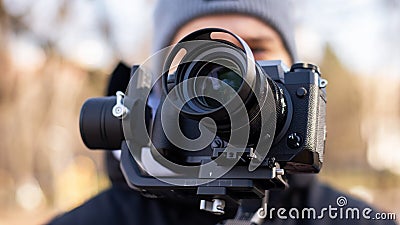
(266,26)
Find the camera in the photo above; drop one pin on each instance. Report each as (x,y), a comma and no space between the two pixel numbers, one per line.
(204,119)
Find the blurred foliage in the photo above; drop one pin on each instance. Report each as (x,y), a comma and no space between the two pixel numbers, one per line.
(43,162)
(346,166)
(44,166)
(344,143)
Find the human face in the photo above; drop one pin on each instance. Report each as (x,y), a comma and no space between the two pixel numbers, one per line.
(263,40)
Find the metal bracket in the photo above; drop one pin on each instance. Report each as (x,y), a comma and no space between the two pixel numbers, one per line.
(119,110)
(322,83)
(216,206)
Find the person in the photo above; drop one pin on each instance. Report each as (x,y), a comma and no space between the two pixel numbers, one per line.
(267,27)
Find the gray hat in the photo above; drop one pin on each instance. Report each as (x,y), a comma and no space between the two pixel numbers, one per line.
(170,15)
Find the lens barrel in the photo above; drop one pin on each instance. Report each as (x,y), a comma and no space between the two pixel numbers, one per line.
(220,65)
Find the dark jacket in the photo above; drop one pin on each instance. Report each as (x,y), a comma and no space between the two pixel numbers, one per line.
(121,205)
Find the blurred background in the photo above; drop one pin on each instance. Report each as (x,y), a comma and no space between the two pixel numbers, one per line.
(56,53)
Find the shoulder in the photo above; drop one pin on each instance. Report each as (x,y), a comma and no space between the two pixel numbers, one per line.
(108,207)
(340,208)
(122,205)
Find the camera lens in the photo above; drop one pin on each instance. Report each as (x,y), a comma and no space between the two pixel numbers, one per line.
(218,80)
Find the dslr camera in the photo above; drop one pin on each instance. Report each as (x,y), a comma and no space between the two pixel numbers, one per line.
(203,119)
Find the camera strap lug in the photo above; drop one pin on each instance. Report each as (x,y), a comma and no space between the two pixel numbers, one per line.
(322,83)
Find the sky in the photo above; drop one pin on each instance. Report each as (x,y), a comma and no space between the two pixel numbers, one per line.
(363,33)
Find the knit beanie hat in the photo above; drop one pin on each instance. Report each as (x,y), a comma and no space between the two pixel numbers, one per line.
(170,15)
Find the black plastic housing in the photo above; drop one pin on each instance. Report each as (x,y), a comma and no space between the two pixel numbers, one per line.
(98,127)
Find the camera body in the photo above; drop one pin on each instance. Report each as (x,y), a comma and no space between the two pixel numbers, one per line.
(226,127)
(298,146)
(301,148)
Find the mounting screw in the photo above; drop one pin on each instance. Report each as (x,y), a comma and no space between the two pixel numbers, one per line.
(294,140)
(217,143)
(280,172)
(216,206)
(271,162)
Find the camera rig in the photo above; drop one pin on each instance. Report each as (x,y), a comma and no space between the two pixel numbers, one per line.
(295,100)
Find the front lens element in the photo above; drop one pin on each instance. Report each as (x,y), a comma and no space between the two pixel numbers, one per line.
(219,81)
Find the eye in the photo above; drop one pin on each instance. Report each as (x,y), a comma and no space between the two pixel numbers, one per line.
(258,50)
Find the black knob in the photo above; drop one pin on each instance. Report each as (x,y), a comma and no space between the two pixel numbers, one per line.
(304,66)
(301,92)
(294,140)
